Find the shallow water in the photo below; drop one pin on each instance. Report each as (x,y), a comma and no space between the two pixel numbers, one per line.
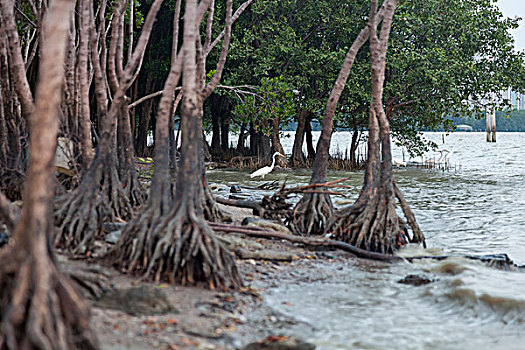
(478,208)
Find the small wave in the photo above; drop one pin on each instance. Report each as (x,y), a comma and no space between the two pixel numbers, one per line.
(488,306)
(449,267)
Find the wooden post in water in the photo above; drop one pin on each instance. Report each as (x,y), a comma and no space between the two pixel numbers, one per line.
(491,126)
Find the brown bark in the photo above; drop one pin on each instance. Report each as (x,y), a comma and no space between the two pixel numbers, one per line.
(225,127)
(353,147)
(101,196)
(242,138)
(372,223)
(310,150)
(17,105)
(144,121)
(83,55)
(313,210)
(40,308)
(17,65)
(216,110)
(298,159)
(276,142)
(181,247)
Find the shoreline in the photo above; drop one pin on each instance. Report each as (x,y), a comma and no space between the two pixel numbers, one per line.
(205,319)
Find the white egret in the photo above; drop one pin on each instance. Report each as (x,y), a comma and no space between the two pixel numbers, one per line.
(398,162)
(267,169)
(447,157)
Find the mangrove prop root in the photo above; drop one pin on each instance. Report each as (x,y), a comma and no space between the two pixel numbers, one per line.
(311,214)
(212,212)
(80,213)
(92,281)
(9,213)
(418,236)
(370,224)
(39,306)
(176,248)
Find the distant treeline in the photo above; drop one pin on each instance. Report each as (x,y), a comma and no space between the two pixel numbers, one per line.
(505,121)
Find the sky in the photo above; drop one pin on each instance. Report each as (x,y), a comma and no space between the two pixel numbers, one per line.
(513,8)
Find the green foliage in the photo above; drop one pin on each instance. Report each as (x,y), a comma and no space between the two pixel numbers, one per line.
(273,98)
(505,121)
(145,167)
(446,59)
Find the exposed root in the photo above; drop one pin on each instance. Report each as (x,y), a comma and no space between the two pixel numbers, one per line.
(92,281)
(311,214)
(78,219)
(418,236)
(12,184)
(134,190)
(80,214)
(40,308)
(372,224)
(212,212)
(176,248)
(9,213)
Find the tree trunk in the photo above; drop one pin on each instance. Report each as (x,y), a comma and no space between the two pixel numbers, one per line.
(259,145)
(127,172)
(85,114)
(141,141)
(242,139)
(353,147)
(310,150)
(40,308)
(276,142)
(372,223)
(17,104)
(298,159)
(313,210)
(216,111)
(225,126)
(182,247)
(101,196)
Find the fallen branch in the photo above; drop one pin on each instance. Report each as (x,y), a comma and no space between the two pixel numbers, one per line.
(257,232)
(500,259)
(324,192)
(241,203)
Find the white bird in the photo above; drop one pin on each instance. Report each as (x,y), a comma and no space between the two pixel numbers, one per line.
(447,157)
(398,162)
(267,169)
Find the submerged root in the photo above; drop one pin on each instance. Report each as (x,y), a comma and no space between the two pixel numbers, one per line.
(311,214)
(176,248)
(40,308)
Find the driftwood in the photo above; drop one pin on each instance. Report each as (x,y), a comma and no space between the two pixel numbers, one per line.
(497,260)
(318,242)
(276,207)
(242,203)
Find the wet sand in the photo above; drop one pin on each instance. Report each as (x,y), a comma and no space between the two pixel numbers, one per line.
(204,319)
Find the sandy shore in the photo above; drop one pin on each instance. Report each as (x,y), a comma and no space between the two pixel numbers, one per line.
(204,319)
